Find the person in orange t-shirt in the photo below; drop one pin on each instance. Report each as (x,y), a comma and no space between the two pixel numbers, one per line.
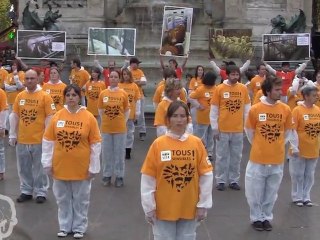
(173,64)
(294,95)
(3,76)
(92,89)
(32,111)
(71,153)
(268,128)
(255,84)
(174,205)
(257,97)
(127,84)
(305,147)
(230,105)
(55,87)
(113,105)
(3,120)
(200,99)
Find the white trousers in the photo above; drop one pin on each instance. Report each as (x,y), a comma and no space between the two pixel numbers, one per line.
(130,133)
(206,134)
(2,156)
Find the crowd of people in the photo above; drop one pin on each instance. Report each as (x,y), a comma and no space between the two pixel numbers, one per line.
(61,127)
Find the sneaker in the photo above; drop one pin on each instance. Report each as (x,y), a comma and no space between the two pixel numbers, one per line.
(234,186)
(62,234)
(298,203)
(78,235)
(24,197)
(142,136)
(118,182)
(106,181)
(257,225)
(308,203)
(267,225)
(221,187)
(40,199)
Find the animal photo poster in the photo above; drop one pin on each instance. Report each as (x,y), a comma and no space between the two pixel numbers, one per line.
(286,47)
(230,43)
(35,44)
(112,41)
(176,31)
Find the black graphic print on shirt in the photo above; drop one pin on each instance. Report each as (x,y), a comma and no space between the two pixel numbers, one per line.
(112,112)
(233,106)
(28,117)
(56,99)
(68,140)
(271,133)
(130,96)
(93,94)
(179,177)
(312,130)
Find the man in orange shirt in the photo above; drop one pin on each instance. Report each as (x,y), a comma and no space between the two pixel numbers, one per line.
(32,111)
(106,71)
(268,127)
(230,105)
(255,84)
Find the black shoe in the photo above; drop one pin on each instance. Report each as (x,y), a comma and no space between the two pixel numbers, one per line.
(106,181)
(220,187)
(257,225)
(266,225)
(40,199)
(24,197)
(142,136)
(128,153)
(234,186)
(118,182)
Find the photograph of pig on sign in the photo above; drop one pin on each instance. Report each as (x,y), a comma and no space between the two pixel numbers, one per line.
(176,31)
(33,44)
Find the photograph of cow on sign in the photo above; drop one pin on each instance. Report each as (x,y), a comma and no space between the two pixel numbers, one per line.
(176,31)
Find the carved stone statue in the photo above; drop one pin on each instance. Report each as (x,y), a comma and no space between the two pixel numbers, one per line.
(30,18)
(297,24)
(50,19)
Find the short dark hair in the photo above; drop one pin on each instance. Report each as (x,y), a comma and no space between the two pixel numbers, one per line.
(174,61)
(307,90)
(209,78)
(75,87)
(259,65)
(77,62)
(168,72)
(232,68)
(174,106)
(269,83)
(117,71)
(285,64)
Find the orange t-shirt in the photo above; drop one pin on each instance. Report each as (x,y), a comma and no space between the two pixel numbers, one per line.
(10,81)
(114,105)
(287,78)
(203,94)
(93,90)
(230,101)
(176,166)
(194,83)
(294,99)
(133,95)
(161,113)
(307,124)
(255,85)
(3,76)
(159,94)
(257,97)
(56,93)
(137,74)
(3,100)
(79,77)
(73,133)
(269,123)
(32,110)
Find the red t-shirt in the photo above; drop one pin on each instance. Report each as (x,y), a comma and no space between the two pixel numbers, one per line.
(287,78)
(106,73)
(179,72)
(223,74)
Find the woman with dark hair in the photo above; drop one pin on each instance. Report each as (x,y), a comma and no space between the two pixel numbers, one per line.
(200,99)
(113,105)
(71,149)
(92,89)
(174,207)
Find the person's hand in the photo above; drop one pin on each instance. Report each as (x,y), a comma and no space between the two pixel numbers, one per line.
(15,72)
(216,134)
(91,175)
(48,171)
(12,142)
(151,217)
(2,132)
(201,107)
(295,154)
(201,214)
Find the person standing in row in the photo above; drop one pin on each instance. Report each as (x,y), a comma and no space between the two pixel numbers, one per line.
(32,111)
(54,87)
(3,74)
(255,84)
(3,123)
(113,105)
(173,206)
(173,64)
(71,153)
(317,84)
(222,72)
(230,105)
(305,146)
(268,128)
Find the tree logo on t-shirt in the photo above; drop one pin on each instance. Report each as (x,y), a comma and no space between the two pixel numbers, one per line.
(93,95)
(112,112)
(179,177)
(130,96)
(271,133)
(56,99)
(68,140)
(28,117)
(233,106)
(312,130)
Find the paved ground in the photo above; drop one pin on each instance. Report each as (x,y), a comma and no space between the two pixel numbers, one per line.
(116,214)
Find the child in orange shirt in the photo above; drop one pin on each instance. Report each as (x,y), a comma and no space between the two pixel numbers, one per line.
(305,146)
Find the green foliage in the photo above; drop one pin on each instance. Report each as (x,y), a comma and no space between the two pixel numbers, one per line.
(4,19)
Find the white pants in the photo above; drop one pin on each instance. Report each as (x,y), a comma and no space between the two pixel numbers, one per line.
(175,230)
(262,183)
(73,198)
(32,177)
(141,123)
(302,177)
(2,156)
(193,113)
(130,133)
(206,134)
(228,157)
(113,154)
